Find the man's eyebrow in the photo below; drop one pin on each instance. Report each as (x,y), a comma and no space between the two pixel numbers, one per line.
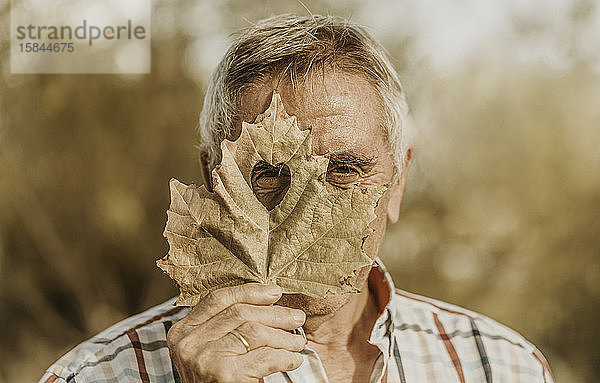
(345,158)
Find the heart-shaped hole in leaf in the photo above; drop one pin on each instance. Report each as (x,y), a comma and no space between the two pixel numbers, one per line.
(270,183)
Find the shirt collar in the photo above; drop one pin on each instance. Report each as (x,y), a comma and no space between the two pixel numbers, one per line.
(382,287)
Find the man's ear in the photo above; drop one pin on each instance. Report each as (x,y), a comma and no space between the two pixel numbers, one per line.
(205,168)
(397,190)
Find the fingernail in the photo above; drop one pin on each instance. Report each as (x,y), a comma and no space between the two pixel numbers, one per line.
(298,316)
(274,290)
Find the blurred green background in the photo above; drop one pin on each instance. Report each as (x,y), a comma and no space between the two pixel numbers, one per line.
(501,215)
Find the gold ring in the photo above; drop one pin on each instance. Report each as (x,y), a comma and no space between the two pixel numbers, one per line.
(241,339)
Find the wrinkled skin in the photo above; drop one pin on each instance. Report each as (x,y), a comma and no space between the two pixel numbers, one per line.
(346,117)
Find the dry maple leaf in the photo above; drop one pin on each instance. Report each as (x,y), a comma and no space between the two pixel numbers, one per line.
(310,243)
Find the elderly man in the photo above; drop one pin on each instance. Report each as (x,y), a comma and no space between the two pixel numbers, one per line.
(338,83)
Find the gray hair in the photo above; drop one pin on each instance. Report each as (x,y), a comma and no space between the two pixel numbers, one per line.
(296,45)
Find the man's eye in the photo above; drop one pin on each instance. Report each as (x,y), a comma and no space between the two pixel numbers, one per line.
(271,179)
(274,178)
(343,176)
(270,183)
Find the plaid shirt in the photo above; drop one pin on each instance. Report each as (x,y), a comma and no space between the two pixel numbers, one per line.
(419,339)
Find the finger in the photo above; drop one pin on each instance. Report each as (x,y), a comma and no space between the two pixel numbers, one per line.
(218,300)
(266,361)
(232,317)
(258,335)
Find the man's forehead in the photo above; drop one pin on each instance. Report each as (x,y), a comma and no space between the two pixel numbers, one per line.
(343,110)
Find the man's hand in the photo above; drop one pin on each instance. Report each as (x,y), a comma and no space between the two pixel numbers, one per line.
(204,349)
